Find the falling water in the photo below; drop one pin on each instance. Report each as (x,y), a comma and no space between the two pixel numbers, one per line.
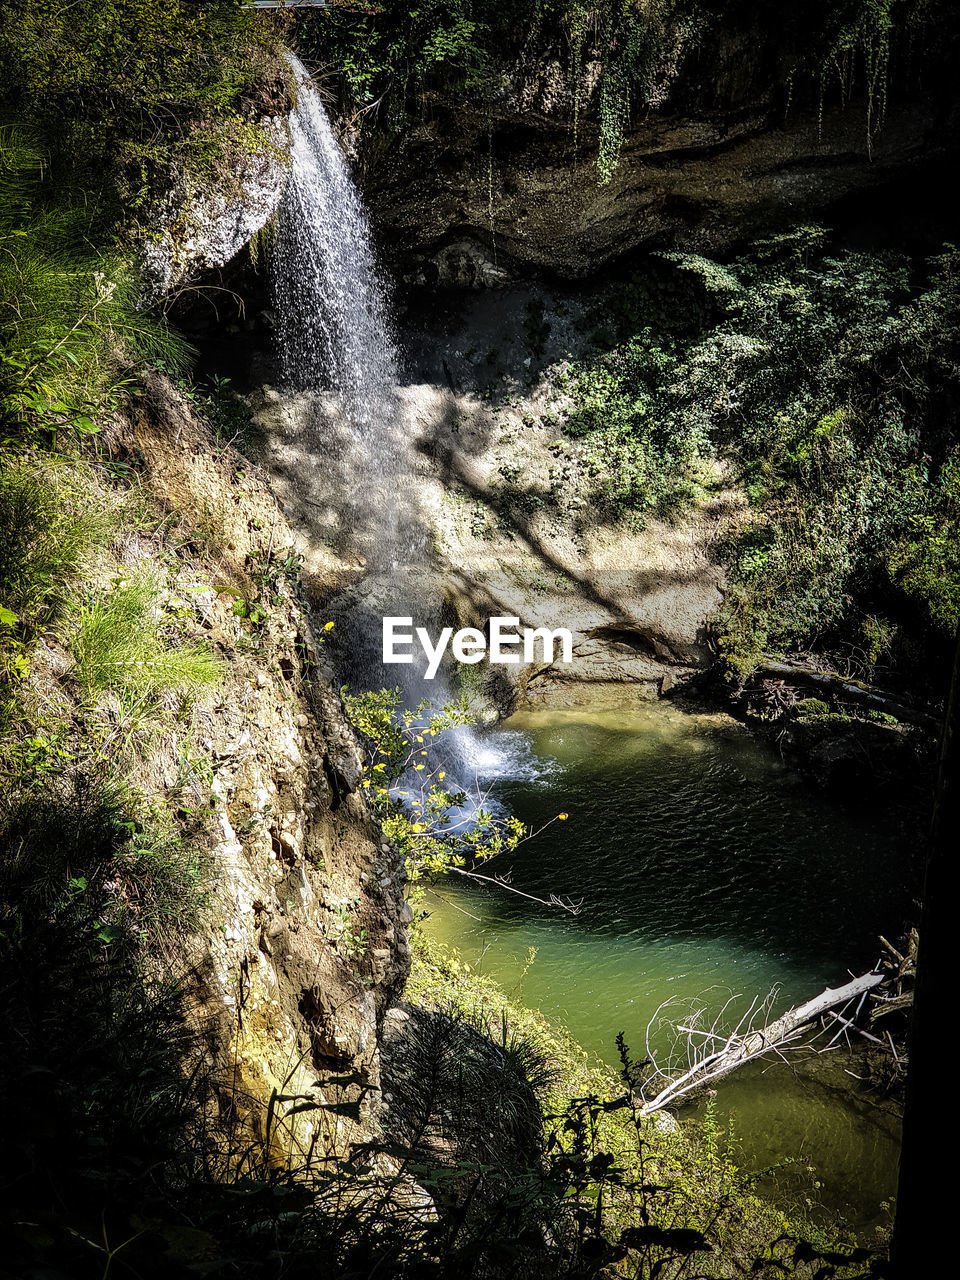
(336,351)
(335,342)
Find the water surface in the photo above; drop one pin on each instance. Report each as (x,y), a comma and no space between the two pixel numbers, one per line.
(703,871)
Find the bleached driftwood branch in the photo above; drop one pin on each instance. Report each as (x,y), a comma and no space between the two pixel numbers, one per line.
(721,1053)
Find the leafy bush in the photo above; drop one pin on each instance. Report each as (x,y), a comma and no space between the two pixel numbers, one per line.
(434,828)
(116,86)
(925,563)
(639,457)
(828,380)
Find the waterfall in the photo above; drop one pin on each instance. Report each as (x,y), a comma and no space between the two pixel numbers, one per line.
(335,341)
(336,351)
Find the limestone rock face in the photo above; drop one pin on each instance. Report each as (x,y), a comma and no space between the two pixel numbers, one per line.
(195,228)
(477,198)
(305,942)
(509,504)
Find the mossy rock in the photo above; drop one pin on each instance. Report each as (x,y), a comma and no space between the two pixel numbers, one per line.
(812,708)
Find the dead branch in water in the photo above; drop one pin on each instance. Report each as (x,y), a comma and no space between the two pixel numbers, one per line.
(712,1053)
(844,688)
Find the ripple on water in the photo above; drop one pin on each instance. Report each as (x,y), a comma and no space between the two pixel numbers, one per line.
(704,872)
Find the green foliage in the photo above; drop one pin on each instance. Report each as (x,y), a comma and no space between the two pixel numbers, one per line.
(839,433)
(828,380)
(640,458)
(925,563)
(434,829)
(46,530)
(399,55)
(118,85)
(348,938)
(36,750)
(70,324)
(860,37)
(84,848)
(811,708)
(661,1204)
(119,644)
(400,51)
(639,47)
(47,527)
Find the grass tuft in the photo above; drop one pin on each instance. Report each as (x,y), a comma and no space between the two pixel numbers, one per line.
(44,539)
(118,646)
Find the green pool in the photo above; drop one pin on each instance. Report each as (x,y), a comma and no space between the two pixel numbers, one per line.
(702,870)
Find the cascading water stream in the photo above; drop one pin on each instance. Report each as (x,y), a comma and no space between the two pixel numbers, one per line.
(336,352)
(334,336)
(680,843)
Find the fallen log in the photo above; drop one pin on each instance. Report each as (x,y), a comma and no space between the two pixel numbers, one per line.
(746,1046)
(847,690)
(895,1004)
(852,1026)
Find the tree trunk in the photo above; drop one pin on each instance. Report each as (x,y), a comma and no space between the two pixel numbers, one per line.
(926,1201)
(847,690)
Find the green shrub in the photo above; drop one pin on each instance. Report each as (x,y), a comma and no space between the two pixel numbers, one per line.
(828,381)
(433,828)
(925,562)
(117,86)
(46,531)
(117,644)
(639,458)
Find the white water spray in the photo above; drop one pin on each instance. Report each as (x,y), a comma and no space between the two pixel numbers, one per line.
(335,342)
(336,350)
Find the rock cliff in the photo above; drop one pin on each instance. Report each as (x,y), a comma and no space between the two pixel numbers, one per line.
(305,945)
(478,195)
(197,226)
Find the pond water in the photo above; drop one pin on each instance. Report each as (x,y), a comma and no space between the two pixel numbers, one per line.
(703,870)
